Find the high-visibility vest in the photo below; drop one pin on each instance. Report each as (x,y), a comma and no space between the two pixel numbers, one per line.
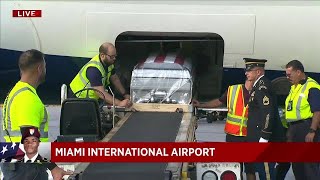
(282,114)
(81,81)
(14,104)
(237,117)
(298,100)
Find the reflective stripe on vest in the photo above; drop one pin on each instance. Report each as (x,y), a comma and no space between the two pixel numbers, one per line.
(81,81)
(236,119)
(237,111)
(17,133)
(299,101)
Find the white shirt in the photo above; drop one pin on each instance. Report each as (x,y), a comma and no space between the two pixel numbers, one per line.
(257,80)
(32,159)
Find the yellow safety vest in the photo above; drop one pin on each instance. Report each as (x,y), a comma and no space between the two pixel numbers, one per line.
(23,107)
(282,115)
(81,81)
(298,97)
(237,117)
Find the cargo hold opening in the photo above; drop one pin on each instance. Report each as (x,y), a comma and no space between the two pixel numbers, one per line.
(205,49)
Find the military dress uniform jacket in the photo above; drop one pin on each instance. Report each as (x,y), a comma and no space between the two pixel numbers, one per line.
(263,116)
(33,171)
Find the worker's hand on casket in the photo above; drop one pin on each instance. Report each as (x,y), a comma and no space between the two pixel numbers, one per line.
(195,103)
(126,96)
(129,104)
(125,103)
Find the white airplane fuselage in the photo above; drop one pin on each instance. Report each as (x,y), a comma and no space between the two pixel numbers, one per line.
(276,31)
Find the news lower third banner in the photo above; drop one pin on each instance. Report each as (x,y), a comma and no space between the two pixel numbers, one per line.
(184,152)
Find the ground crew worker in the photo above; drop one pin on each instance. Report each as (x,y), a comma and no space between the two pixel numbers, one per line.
(23,108)
(303,115)
(97,74)
(236,98)
(263,118)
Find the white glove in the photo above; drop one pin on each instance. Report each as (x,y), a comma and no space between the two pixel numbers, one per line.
(262,140)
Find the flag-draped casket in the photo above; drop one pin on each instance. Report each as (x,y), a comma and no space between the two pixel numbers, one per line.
(162,78)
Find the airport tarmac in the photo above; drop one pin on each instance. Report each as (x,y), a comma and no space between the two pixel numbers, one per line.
(206,132)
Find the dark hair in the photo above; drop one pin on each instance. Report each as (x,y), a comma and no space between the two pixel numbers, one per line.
(296,65)
(30,58)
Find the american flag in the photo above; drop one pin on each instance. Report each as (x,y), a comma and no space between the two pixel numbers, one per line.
(173,58)
(9,151)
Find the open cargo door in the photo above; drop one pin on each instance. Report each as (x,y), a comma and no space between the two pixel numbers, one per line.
(205,49)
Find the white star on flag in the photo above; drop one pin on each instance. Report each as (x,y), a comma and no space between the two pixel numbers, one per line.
(7,154)
(4,149)
(13,145)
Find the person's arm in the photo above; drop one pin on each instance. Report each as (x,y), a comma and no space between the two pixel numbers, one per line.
(313,99)
(117,83)
(50,165)
(213,103)
(57,172)
(265,101)
(95,78)
(107,96)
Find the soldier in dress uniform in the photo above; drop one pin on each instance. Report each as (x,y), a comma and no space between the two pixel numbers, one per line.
(264,124)
(33,163)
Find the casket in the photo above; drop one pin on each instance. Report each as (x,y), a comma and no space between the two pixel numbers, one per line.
(162,78)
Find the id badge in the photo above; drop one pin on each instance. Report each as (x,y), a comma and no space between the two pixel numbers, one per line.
(289,108)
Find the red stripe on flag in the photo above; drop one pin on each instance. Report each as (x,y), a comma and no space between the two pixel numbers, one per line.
(160,58)
(179,60)
(185,152)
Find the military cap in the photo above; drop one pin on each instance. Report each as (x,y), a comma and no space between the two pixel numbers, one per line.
(30,131)
(251,63)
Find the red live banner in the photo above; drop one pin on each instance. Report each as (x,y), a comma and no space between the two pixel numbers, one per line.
(184,152)
(26,13)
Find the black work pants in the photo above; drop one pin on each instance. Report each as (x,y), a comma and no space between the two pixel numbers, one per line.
(232,138)
(282,168)
(297,132)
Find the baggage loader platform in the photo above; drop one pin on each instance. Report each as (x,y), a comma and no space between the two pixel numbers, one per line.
(170,126)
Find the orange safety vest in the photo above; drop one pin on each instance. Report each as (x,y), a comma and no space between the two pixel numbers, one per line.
(237,117)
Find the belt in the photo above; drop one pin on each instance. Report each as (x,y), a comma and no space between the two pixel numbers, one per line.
(298,122)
